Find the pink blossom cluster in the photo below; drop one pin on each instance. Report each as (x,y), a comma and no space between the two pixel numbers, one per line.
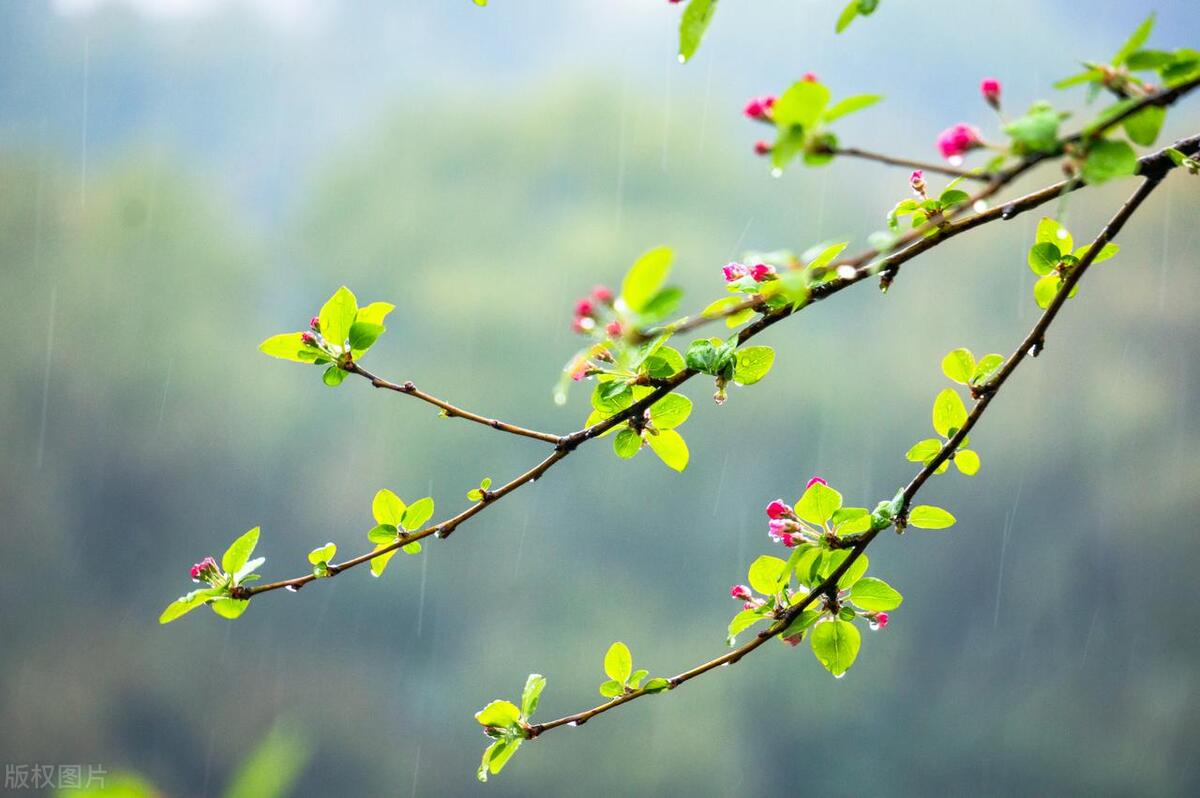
(955,141)
(759,107)
(588,310)
(760,272)
(205,571)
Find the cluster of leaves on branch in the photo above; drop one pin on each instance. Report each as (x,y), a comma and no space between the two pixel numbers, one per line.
(638,352)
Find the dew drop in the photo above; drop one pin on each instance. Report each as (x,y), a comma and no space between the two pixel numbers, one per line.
(841,675)
(955,160)
(725,664)
(874,627)
(575,724)
(980,206)
(682,59)
(292,589)
(776,172)
(846,272)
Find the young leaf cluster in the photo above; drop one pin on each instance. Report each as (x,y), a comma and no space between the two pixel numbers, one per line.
(1052,258)
(236,569)
(507,726)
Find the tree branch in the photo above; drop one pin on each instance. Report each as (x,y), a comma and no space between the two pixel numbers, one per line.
(1154,166)
(1034,337)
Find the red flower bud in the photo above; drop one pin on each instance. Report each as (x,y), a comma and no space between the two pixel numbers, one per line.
(762,148)
(740,592)
(990,89)
(601,294)
(308,339)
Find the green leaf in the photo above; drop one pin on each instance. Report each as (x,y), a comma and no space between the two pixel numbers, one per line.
(836,644)
(337,315)
(380,563)
(363,335)
(923,451)
(627,443)
(1090,76)
(768,575)
(334,376)
(1108,159)
(323,554)
(800,624)
(1036,131)
(618,662)
(959,365)
(611,397)
(847,16)
(416,514)
(289,346)
(753,363)
(388,508)
(670,411)
(383,534)
(499,714)
(801,105)
(743,621)
(925,516)
(986,366)
(374,313)
(1043,257)
(411,548)
(185,604)
(645,278)
(532,692)
(692,26)
(1045,289)
(612,688)
(826,256)
(1135,41)
(1106,252)
(875,595)
(967,462)
(635,680)
(1144,126)
(239,552)
(230,608)
(850,105)
(1050,231)
(657,685)
(952,197)
(496,755)
(670,448)
(949,414)
(832,560)
(851,520)
(818,503)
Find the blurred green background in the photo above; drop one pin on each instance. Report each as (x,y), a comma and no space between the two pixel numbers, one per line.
(181,178)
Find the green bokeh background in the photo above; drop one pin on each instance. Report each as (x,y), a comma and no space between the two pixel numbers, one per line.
(176,187)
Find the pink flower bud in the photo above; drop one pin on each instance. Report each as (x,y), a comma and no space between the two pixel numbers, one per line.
(204,570)
(956,140)
(814,481)
(990,89)
(578,326)
(810,77)
(759,107)
(584,307)
(315,323)
(917,182)
(308,339)
(778,527)
(762,147)
(778,509)
(740,592)
(794,640)
(881,619)
(601,294)
(613,329)
(579,369)
(734,271)
(790,540)
(761,271)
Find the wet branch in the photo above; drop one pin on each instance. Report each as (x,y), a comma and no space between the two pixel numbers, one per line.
(1029,346)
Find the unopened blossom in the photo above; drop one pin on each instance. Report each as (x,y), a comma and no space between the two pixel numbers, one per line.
(308,339)
(917,182)
(794,640)
(762,147)
(778,509)
(954,141)
(601,293)
(759,107)
(613,328)
(315,324)
(810,77)
(579,369)
(204,570)
(584,307)
(777,528)
(990,89)
(877,621)
(761,271)
(815,481)
(740,592)
(582,324)
(734,271)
